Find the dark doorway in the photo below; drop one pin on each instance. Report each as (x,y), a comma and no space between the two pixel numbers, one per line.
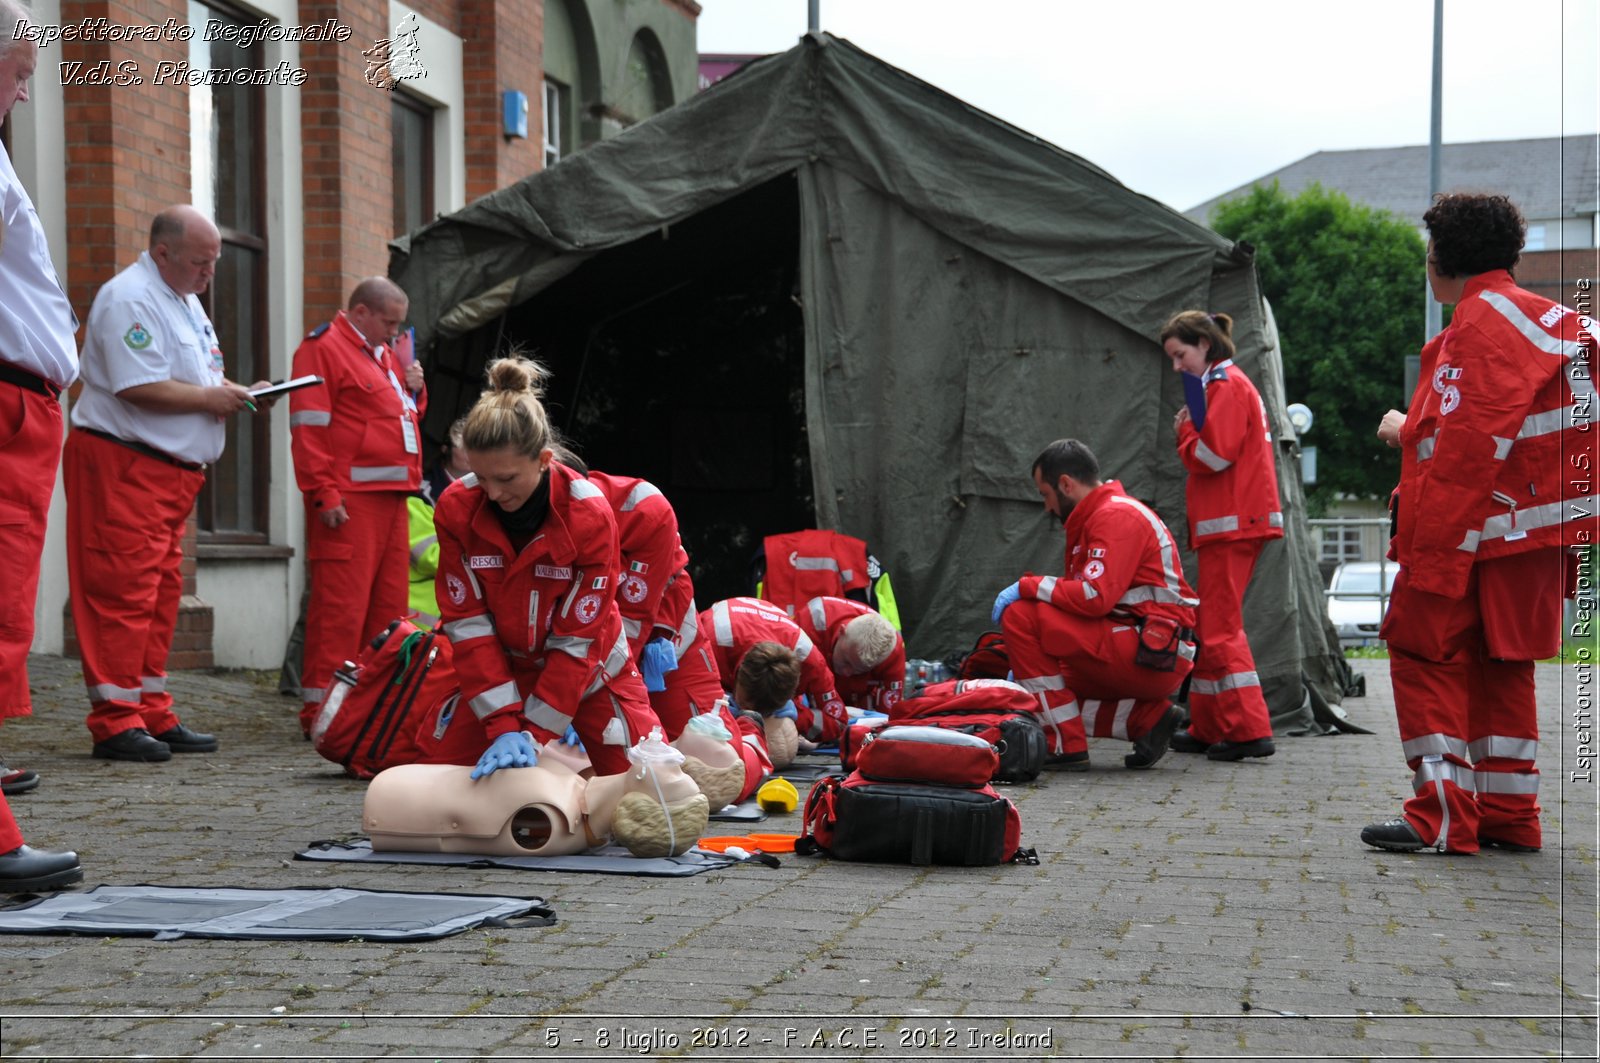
(678,358)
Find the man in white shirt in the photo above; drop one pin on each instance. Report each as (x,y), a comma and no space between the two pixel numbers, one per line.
(37,359)
(149,421)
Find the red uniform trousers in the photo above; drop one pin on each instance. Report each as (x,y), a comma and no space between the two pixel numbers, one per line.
(1225,699)
(359,574)
(694,688)
(1462,671)
(10,833)
(30,450)
(1081,668)
(126,513)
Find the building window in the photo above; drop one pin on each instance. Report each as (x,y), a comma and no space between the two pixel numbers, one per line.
(1535,241)
(227,131)
(1341,543)
(555,100)
(413,163)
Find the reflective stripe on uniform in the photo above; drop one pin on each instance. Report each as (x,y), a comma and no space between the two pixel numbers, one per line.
(1168,552)
(1059,713)
(541,713)
(422,546)
(153,684)
(494,699)
(1234,681)
(1216,525)
(571,645)
(369,474)
(1531,331)
(1211,458)
(316,418)
(1047,589)
(312,695)
(1499,525)
(618,659)
(581,488)
(631,627)
(1507,782)
(1425,447)
(722,624)
(1037,684)
(1432,771)
(819,615)
(1441,744)
(1121,710)
(471,627)
(111,692)
(1503,746)
(641,491)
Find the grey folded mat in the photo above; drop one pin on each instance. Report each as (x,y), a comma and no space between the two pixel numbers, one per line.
(310,913)
(746,811)
(611,860)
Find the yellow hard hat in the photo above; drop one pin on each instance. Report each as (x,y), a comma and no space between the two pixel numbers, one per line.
(778,795)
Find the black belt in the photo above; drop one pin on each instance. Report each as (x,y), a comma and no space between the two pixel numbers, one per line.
(141,448)
(13,374)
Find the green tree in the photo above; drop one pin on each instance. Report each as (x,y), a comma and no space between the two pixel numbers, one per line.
(1346,283)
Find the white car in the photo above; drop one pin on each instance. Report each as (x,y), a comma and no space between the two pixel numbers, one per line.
(1354,604)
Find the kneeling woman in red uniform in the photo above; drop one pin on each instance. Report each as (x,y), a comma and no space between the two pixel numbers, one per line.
(1233,509)
(527,589)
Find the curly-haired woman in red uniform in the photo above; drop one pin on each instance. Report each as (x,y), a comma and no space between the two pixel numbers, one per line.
(1233,509)
(527,589)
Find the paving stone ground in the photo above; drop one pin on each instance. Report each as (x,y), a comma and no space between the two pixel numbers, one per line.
(1195,911)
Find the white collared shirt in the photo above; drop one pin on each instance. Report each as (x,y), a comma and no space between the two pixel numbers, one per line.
(141,332)
(37,328)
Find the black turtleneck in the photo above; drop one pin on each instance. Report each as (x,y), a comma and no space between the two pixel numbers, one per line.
(524,523)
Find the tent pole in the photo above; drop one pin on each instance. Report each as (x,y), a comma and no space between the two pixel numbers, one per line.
(813,15)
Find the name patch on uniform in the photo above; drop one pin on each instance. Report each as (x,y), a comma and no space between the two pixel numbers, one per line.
(486,561)
(552,571)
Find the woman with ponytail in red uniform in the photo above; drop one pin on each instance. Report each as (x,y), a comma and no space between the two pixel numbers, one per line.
(1233,509)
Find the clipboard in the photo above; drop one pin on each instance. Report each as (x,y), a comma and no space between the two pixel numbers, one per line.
(283,387)
(1194,397)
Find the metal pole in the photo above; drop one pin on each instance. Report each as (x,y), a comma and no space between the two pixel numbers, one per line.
(1435,312)
(814,15)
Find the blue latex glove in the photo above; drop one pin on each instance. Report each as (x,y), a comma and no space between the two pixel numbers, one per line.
(873,714)
(513,750)
(656,659)
(788,712)
(1005,599)
(571,737)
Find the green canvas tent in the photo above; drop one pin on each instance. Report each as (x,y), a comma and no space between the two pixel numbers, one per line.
(825,293)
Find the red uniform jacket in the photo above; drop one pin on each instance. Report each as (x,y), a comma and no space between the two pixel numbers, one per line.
(1121,560)
(534,633)
(1498,445)
(737,624)
(647,536)
(823,619)
(359,430)
(1233,481)
(805,564)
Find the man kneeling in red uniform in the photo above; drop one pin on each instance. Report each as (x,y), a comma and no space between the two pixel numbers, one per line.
(1105,647)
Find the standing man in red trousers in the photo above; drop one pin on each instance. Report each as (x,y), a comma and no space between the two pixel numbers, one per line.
(1496,481)
(149,421)
(357,455)
(37,359)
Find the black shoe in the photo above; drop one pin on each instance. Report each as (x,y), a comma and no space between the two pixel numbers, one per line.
(1184,742)
(19,781)
(26,870)
(1396,835)
(1261,747)
(1508,846)
(135,745)
(1152,746)
(182,740)
(1067,762)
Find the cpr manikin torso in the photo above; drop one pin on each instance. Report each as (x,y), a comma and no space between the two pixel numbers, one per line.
(653,809)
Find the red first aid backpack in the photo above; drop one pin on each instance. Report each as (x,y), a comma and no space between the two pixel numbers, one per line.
(996,710)
(371,716)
